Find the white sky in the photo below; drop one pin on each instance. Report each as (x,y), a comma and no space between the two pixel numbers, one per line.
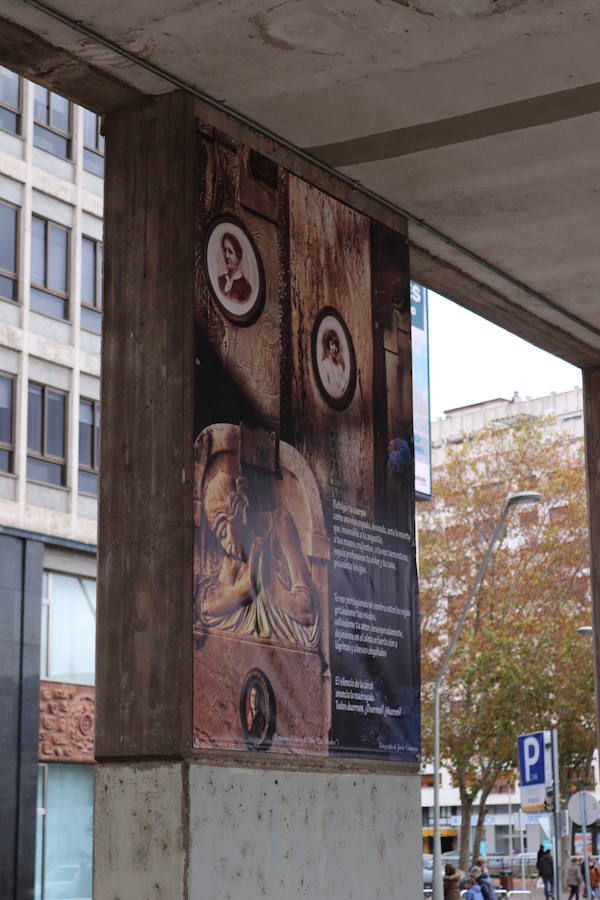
(472,360)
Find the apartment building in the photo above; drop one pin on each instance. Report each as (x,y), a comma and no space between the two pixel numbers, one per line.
(51,195)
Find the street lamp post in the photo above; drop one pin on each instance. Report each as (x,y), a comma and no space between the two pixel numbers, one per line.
(514,500)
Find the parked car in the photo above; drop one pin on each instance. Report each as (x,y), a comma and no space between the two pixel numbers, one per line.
(427,869)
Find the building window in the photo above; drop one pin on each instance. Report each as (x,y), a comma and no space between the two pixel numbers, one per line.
(52,122)
(68,632)
(93,144)
(89,446)
(10,101)
(8,251)
(49,268)
(46,420)
(63,847)
(7,436)
(92,260)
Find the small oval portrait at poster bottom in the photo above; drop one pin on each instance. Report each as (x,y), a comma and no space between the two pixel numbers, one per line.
(334,361)
(234,270)
(257,710)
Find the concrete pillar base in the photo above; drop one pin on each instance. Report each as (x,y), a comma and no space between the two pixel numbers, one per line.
(191,831)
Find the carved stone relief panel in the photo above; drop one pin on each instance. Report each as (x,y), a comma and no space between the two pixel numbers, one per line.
(67,714)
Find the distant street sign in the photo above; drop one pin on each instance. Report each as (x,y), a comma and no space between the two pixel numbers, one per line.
(583,805)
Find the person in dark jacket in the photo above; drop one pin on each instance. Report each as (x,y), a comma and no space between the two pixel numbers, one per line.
(485,880)
(452,877)
(547,874)
(540,853)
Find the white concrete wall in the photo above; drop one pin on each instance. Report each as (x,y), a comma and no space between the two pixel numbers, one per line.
(140,832)
(259,834)
(252,834)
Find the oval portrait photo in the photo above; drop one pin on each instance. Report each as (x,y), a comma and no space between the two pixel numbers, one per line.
(334,362)
(234,270)
(257,710)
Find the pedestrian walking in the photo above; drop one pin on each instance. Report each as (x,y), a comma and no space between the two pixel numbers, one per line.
(452,878)
(547,874)
(540,853)
(485,881)
(594,878)
(473,889)
(574,879)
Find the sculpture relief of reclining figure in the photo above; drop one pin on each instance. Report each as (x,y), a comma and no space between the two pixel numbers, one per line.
(261,584)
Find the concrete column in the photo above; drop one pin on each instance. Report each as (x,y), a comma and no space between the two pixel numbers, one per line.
(591,398)
(173,818)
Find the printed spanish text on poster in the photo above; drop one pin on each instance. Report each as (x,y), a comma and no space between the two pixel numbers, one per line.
(305,591)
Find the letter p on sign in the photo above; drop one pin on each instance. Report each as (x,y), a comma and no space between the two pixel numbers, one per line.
(531,756)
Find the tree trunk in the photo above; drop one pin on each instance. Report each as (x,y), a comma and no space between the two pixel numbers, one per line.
(466,809)
(479,829)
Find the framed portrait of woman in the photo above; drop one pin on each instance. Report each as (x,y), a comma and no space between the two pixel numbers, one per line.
(257,710)
(333,358)
(234,270)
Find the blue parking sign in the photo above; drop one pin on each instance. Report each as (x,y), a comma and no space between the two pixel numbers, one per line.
(532,759)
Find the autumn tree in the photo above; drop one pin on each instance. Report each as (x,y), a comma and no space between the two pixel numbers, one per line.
(519,665)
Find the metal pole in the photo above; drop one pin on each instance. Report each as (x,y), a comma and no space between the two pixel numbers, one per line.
(510,834)
(585,853)
(437,885)
(556,815)
(522,849)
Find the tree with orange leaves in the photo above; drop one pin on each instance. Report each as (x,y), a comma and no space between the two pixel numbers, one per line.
(519,665)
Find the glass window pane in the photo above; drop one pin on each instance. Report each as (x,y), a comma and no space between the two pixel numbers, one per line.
(89,128)
(68,832)
(57,258)
(86,434)
(9,87)
(9,121)
(8,288)
(35,401)
(40,103)
(5,461)
(98,408)
(72,646)
(51,141)
(100,276)
(38,250)
(44,642)
(88,483)
(6,409)
(88,271)
(46,472)
(55,425)
(60,113)
(8,238)
(91,319)
(93,162)
(47,304)
(100,142)
(39,837)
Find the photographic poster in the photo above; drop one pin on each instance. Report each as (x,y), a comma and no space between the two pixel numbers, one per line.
(306,626)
